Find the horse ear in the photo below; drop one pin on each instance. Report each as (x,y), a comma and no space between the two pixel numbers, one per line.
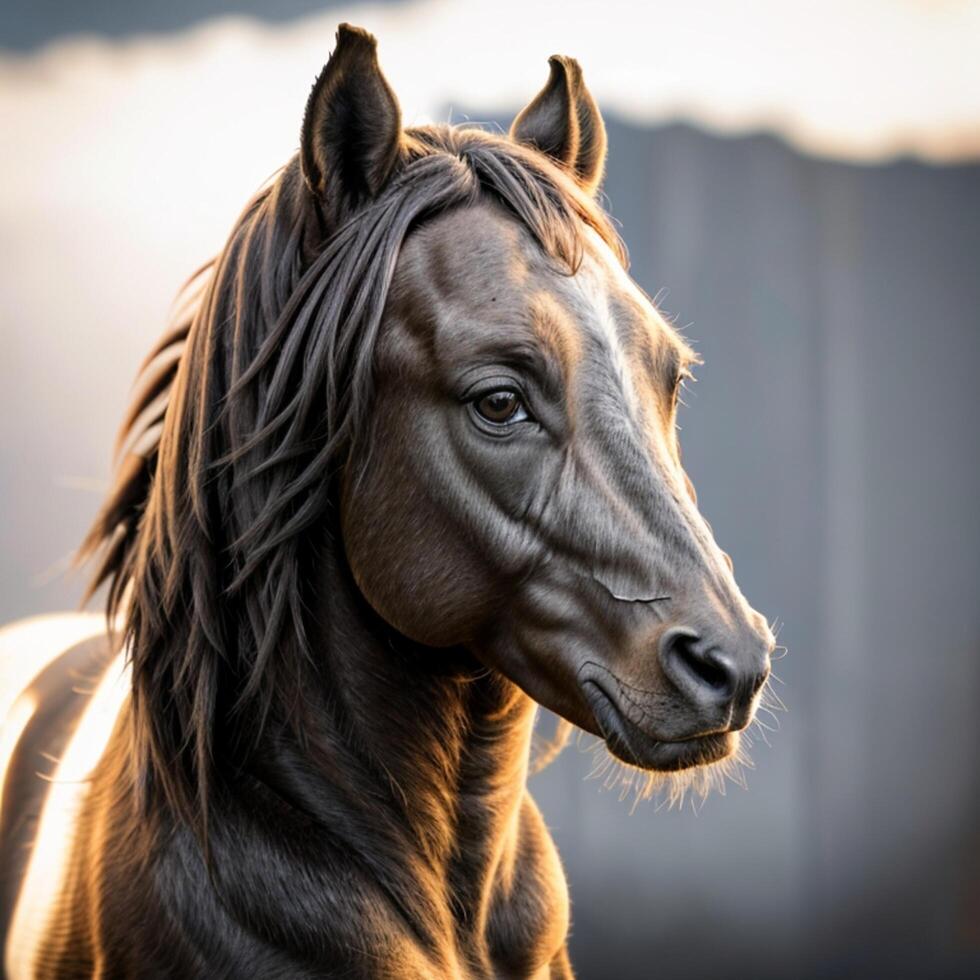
(352,127)
(564,122)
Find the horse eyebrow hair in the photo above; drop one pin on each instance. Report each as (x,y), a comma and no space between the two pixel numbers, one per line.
(678,351)
(533,358)
(686,357)
(526,352)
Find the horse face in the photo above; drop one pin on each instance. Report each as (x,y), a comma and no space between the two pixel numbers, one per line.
(520,491)
(523,494)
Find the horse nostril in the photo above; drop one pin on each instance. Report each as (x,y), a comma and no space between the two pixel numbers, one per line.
(701,671)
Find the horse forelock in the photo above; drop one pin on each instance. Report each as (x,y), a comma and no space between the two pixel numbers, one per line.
(243,413)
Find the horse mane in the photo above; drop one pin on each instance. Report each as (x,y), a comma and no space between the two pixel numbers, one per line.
(244,414)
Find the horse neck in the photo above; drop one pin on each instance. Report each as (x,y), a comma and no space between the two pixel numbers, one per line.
(425,749)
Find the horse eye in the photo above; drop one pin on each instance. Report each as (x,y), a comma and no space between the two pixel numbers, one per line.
(500,407)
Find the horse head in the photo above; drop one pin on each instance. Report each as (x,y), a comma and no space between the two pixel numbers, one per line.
(521,492)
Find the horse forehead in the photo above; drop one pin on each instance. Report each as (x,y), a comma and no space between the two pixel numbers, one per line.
(617,307)
(478,264)
(468,248)
(600,261)
(625,334)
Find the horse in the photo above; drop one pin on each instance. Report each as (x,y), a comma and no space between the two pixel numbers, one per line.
(404,468)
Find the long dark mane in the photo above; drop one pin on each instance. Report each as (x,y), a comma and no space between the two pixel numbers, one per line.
(246,413)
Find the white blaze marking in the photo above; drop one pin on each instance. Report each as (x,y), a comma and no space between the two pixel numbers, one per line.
(599,265)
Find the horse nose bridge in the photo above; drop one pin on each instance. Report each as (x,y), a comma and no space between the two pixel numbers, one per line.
(655,541)
(699,563)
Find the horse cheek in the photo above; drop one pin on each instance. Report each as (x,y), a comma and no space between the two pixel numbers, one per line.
(419,576)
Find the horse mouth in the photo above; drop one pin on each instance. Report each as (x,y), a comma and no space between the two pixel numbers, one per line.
(631,744)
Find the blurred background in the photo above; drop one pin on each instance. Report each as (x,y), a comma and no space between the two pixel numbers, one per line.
(799,185)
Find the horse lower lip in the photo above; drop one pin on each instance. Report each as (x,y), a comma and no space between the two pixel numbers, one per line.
(631,744)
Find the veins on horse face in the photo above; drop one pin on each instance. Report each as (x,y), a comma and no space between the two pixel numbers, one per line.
(625,598)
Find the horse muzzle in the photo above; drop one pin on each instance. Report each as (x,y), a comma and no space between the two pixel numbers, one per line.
(706,695)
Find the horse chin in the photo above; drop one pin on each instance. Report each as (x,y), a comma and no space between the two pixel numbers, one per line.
(637,747)
(666,757)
